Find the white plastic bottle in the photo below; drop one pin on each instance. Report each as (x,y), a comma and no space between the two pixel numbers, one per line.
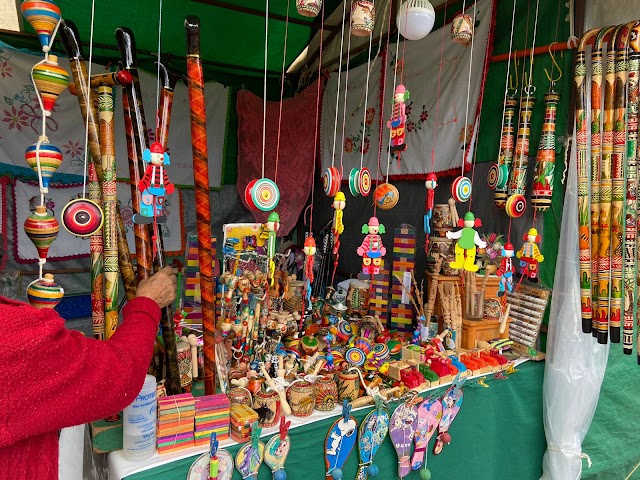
(139,423)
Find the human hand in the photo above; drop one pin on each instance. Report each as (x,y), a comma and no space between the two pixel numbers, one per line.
(161,287)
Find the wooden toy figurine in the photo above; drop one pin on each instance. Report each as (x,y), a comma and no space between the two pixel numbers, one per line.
(468,240)
(154,185)
(272,226)
(530,256)
(506,270)
(309,252)
(430,184)
(339,202)
(372,247)
(398,119)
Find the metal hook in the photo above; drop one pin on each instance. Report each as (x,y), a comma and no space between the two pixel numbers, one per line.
(555,64)
(511,85)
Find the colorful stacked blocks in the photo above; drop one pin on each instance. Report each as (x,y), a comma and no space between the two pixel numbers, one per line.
(404,254)
(212,415)
(242,418)
(175,422)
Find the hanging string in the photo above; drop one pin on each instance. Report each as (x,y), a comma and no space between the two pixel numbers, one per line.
(86,126)
(395,78)
(158,75)
(335,121)
(466,113)
(436,126)
(366,99)
(264,90)
(284,60)
(315,138)
(346,90)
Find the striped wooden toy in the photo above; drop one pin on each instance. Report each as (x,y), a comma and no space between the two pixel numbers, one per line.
(43,16)
(45,293)
(379,301)
(42,229)
(50,80)
(50,158)
(404,254)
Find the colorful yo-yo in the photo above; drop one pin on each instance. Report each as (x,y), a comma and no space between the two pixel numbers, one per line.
(515,206)
(50,80)
(247,195)
(265,194)
(354,182)
(492,177)
(42,229)
(355,356)
(43,16)
(461,189)
(45,293)
(386,196)
(50,158)
(82,217)
(365,182)
(331,181)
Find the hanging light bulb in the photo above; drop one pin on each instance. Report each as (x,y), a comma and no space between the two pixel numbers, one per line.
(415,19)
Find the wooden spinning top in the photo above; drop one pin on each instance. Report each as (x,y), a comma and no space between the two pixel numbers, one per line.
(45,293)
(42,228)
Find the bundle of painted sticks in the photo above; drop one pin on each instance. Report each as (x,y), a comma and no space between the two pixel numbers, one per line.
(175,422)
(211,415)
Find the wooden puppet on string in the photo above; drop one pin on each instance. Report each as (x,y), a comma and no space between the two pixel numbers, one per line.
(431,183)
(530,256)
(372,249)
(506,270)
(272,226)
(339,203)
(398,121)
(468,240)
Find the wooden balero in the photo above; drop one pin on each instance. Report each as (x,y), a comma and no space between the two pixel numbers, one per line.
(195,83)
(137,141)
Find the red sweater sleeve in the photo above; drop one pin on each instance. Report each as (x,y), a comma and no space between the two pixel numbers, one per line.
(53,377)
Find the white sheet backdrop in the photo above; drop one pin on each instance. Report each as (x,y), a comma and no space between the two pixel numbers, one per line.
(422,59)
(20,121)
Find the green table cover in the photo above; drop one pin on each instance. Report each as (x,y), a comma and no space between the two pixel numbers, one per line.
(498,434)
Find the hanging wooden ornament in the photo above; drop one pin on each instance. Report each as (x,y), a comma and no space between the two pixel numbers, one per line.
(364,183)
(50,80)
(545,161)
(354,182)
(43,16)
(518,179)
(82,217)
(309,252)
(50,158)
(506,270)
(499,173)
(468,240)
(248,197)
(308,8)
(45,293)
(461,189)
(397,122)
(451,403)
(462,29)
(331,181)
(429,415)
(515,206)
(265,194)
(530,256)
(372,247)
(42,229)
(272,226)
(276,451)
(250,456)
(363,17)
(154,185)
(386,196)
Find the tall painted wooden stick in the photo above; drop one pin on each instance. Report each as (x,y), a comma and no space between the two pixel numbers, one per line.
(505,156)
(545,161)
(195,82)
(518,178)
(97,262)
(168,82)
(137,141)
(109,200)
(584,218)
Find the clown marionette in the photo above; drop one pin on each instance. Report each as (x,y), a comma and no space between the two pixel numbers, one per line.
(530,255)
(506,270)
(309,252)
(398,120)
(154,185)
(430,184)
(372,250)
(468,240)
(272,226)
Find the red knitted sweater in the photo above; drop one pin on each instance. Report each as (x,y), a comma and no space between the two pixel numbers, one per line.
(53,378)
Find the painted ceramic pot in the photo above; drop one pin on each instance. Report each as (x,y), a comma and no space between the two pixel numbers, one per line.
(441,221)
(348,384)
(301,398)
(462,29)
(447,271)
(184,365)
(363,17)
(267,405)
(308,8)
(326,393)
(441,246)
(358,297)
(239,396)
(492,309)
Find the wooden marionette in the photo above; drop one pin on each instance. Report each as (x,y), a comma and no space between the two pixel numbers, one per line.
(468,240)
(372,248)
(506,270)
(584,221)
(530,256)
(430,184)
(309,252)
(154,185)
(337,227)
(499,176)
(397,122)
(272,226)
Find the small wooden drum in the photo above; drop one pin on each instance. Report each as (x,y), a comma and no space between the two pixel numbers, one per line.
(239,396)
(267,405)
(326,393)
(348,384)
(358,297)
(301,398)
(184,366)
(441,222)
(438,245)
(363,17)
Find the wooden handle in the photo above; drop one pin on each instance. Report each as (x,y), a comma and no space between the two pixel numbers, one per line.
(366,400)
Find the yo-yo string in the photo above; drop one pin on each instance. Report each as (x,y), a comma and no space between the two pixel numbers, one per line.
(395,76)
(158,74)
(335,121)
(284,60)
(86,124)
(264,89)
(315,136)
(466,113)
(346,90)
(435,130)
(506,81)
(366,99)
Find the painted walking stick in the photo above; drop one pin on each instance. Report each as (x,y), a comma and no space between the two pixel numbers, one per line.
(96,248)
(201,183)
(499,176)
(136,132)
(584,221)
(371,434)
(402,429)
(546,159)
(341,438)
(429,415)
(168,80)
(109,199)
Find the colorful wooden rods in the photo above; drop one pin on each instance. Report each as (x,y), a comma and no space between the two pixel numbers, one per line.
(505,156)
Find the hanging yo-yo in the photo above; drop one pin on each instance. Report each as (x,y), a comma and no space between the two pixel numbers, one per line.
(42,229)
(82,217)
(247,196)
(50,80)
(515,206)
(331,181)
(461,189)
(45,293)
(386,196)
(308,8)
(364,183)
(354,182)
(43,16)
(265,194)
(462,29)
(50,158)
(493,176)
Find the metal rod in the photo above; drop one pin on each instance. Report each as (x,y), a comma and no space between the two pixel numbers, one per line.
(556,47)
